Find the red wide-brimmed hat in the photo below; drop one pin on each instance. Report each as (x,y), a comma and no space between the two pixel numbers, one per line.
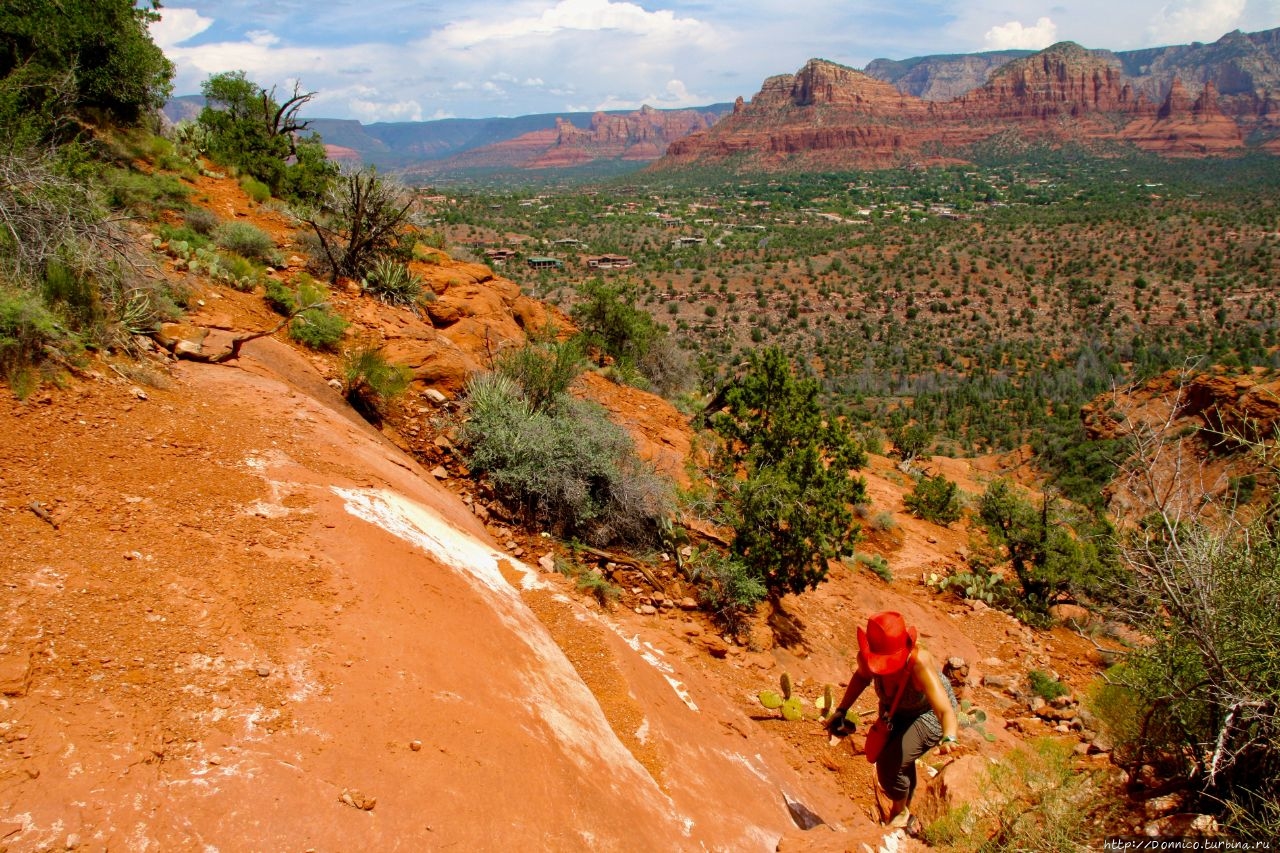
(886,643)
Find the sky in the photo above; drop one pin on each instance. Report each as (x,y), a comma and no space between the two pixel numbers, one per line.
(400,60)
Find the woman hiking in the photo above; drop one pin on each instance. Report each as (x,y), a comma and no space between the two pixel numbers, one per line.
(916,704)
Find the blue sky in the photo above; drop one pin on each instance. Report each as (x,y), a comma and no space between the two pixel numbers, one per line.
(398,60)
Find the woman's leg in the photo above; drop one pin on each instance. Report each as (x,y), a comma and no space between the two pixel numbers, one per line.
(896,767)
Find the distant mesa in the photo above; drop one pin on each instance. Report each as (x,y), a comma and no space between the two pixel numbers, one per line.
(1186,101)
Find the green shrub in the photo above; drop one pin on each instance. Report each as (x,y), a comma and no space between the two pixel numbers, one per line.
(1199,700)
(181,234)
(567,468)
(786,475)
(599,586)
(544,368)
(280,298)
(26,327)
(201,221)
(1045,686)
(240,272)
(318,328)
(936,499)
(131,190)
(73,294)
(393,282)
(1034,798)
(728,588)
(255,189)
(883,521)
(244,238)
(369,381)
(875,563)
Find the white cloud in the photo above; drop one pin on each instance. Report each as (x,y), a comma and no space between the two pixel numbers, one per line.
(570,15)
(177,25)
(262,38)
(1195,20)
(674,96)
(1015,36)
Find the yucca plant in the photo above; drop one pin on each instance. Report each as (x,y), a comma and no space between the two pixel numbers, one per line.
(393,282)
(369,381)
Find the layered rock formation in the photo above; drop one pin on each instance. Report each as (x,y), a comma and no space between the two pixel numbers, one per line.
(941,78)
(640,136)
(827,115)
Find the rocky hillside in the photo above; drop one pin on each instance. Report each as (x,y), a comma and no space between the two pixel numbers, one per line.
(941,78)
(238,616)
(1243,67)
(641,136)
(827,115)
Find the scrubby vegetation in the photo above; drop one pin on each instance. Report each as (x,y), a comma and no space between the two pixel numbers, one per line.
(785,474)
(68,276)
(935,498)
(558,461)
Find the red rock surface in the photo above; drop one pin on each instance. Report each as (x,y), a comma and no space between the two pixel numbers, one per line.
(244,619)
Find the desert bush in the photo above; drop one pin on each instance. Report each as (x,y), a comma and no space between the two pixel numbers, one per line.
(669,370)
(544,368)
(1053,550)
(172,234)
(727,587)
(1045,686)
(1036,799)
(936,499)
(393,282)
(26,327)
(246,239)
(369,381)
(245,127)
(318,328)
(567,467)
(128,189)
(104,46)
(362,219)
(598,585)
(201,221)
(876,563)
(255,189)
(883,521)
(912,440)
(785,475)
(1200,700)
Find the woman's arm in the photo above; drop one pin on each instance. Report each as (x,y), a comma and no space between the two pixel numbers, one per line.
(930,681)
(857,683)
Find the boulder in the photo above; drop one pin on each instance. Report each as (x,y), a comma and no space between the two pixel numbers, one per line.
(962,782)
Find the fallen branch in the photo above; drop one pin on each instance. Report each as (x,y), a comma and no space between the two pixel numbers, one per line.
(43,514)
(625,561)
(236,343)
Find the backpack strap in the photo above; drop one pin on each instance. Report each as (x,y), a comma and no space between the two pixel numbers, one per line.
(903,686)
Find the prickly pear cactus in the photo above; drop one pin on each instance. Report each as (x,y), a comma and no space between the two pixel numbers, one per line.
(792,709)
(770,700)
(828,701)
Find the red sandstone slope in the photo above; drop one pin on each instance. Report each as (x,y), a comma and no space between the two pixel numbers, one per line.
(829,115)
(248,620)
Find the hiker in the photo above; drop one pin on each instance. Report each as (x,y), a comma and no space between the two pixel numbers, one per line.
(916,704)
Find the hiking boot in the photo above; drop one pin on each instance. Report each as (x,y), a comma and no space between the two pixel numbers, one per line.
(900,820)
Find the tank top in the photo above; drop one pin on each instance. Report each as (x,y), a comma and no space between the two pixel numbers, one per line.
(914,701)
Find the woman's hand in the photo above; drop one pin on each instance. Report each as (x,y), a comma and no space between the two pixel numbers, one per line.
(947,744)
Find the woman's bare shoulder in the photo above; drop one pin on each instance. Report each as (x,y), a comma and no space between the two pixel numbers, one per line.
(924,660)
